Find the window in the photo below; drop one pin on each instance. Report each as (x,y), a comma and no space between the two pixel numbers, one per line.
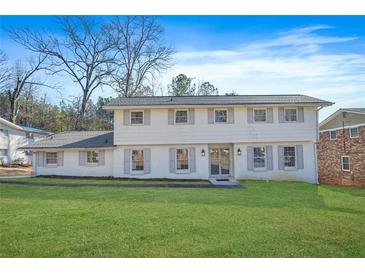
(3,152)
(136,117)
(30,136)
(51,158)
(137,160)
(182,159)
(259,157)
(333,134)
(354,132)
(289,156)
(92,157)
(4,132)
(220,116)
(290,115)
(260,115)
(345,163)
(181,117)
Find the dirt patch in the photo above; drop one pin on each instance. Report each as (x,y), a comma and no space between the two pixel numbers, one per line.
(15,171)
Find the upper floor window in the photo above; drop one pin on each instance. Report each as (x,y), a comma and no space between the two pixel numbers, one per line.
(182,159)
(30,136)
(220,116)
(4,132)
(259,157)
(289,156)
(92,157)
(136,117)
(345,163)
(260,115)
(51,158)
(137,160)
(354,132)
(333,134)
(3,152)
(181,116)
(290,114)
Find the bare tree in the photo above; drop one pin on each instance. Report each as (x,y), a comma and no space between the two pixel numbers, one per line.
(21,77)
(82,53)
(4,70)
(140,54)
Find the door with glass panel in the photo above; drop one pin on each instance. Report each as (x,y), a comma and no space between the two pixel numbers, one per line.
(220,160)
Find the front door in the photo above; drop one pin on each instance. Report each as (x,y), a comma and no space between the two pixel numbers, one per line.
(220,160)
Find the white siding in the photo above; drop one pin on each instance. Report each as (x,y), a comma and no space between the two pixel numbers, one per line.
(160,132)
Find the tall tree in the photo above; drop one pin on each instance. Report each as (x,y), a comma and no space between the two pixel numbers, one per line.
(83,53)
(140,54)
(181,85)
(4,70)
(206,89)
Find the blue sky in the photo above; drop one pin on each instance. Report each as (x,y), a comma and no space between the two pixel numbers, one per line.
(321,56)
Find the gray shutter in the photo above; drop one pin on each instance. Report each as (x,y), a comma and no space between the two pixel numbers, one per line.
(147,117)
(300,114)
(147,160)
(230,114)
(101,157)
(171,116)
(127,161)
(82,158)
(126,118)
(172,160)
(191,116)
(60,158)
(250,115)
(299,156)
(281,115)
(210,116)
(40,158)
(249,158)
(269,158)
(192,159)
(269,115)
(281,157)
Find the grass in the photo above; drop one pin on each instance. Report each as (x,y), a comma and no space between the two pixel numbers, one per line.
(268,219)
(98,181)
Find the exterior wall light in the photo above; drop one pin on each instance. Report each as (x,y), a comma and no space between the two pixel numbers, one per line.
(203,153)
(239,152)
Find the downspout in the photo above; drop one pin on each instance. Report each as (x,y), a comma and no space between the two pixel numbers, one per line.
(315,146)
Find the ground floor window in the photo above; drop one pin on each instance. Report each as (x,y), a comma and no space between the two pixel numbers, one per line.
(289,156)
(137,160)
(92,157)
(259,157)
(345,163)
(182,159)
(3,152)
(51,158)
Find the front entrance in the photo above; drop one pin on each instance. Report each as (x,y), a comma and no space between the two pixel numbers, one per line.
(220,160)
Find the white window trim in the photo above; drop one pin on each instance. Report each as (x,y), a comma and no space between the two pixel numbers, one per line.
(92,164)
(219,109)
(130,118)
(354,137)
(182,171)
(187,119)
(342,163)
(296,109)
(2,132)
(265,115)
(331,135)
(259,168)
(137,172)
(50,165)
(295,162)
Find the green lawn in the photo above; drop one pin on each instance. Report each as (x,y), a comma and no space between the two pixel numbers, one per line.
(268,219)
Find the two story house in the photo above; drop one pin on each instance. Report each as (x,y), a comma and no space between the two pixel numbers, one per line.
(341,148)
(193,137)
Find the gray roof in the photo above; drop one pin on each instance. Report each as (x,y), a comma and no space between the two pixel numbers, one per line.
(360,110)
(75,139)
(216,100)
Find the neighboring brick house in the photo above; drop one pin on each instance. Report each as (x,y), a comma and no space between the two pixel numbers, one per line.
(341,148)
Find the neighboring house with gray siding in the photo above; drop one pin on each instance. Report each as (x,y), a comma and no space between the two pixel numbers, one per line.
(12,137)
(193,137)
